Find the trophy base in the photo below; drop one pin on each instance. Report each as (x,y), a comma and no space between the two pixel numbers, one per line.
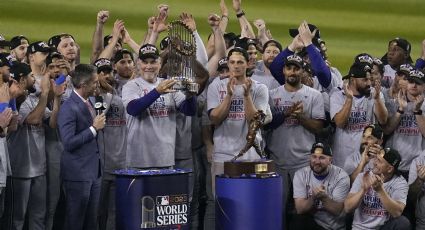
(259,168)
(186,86)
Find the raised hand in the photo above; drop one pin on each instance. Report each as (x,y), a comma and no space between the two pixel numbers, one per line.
(236,5)
(118,27)
(247,87)
(151,22)
(366,181)
(402,101)
(231,86)
(419,100)
(58,90)
(223,9)
(347,90)
(305,34)
(214,20)
(377,182)
(45,83)
(102,16)
(260,24)
(166,86)
(189,21)
(296,44)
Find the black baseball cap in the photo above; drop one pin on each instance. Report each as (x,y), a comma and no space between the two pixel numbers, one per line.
(55,40)
(238,50)
(103,64)
(120,55)
(402,43)
(272,43)
(322,148)
(293,59)
(17,41)
(148,51)
(3,42)
(53,54)
(245,43)
(364,58)
(417,76)
(19,70)
(6,59)
(405,69)
(222,64)
(39,46)
(358,71)
(393,157)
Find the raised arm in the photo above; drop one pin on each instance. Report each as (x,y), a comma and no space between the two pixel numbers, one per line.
(116,33)
(219,45)
(97,40)
(246,28)
(260,24)
(35,117)
(159,25)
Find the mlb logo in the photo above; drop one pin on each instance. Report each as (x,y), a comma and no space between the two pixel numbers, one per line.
(162,200)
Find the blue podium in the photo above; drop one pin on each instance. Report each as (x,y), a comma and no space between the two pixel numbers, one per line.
(152,199)
(249,202)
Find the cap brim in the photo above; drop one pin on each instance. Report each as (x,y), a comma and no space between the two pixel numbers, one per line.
(104,68)
(146,56)
(4,43)
(294,63)
(417,80)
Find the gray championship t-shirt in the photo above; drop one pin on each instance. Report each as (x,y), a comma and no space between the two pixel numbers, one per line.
(290,143)
(370,214)
(112,140)
(27,144)
(152,134)
(263,76)
(347,140)
(230,136)
(337,185)
(406,138)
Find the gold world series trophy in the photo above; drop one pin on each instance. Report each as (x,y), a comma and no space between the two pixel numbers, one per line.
(182,57)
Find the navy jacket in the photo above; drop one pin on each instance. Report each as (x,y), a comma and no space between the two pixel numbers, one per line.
(80,160)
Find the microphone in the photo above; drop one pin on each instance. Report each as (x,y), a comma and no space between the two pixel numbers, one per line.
(98,105)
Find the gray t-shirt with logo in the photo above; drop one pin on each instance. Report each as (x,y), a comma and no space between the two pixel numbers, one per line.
(337,185)
(113,139)
(290,143)
(152,134)
(27,144)
(347,140)
(261,76)
(230,136)
(406,138)
(371,214)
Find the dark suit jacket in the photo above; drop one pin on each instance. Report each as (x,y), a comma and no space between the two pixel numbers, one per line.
(80,160)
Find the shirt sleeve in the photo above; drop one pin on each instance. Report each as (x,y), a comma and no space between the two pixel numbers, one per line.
(337,100)
(399,191)
(213,97)
(300,188)
(318,107)
(357,184)
(342,187)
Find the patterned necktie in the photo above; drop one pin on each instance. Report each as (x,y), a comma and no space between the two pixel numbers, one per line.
(91,109)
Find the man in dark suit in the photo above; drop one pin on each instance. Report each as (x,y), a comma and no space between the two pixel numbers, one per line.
(80,162)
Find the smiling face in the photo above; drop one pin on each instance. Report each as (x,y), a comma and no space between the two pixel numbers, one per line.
(149,68)
(319,162)
(68,48)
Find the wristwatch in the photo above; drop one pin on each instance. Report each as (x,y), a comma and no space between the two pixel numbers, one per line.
(240,14)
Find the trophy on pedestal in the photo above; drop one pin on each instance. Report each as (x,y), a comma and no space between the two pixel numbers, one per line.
(182,57)
(259,168)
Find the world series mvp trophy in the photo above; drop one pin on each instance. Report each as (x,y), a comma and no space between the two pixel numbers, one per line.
(182,57)
(259,168)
